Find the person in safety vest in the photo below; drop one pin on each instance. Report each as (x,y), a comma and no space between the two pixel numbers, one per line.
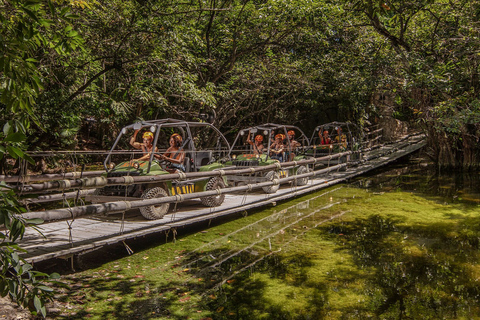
(324,138)
(174,155)
(257,145)
(146,146)
(277,148)
(292,145)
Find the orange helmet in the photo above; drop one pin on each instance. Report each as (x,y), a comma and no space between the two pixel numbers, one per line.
(177,137)
(147,135)
(279,136)
(291,133)
(259,138)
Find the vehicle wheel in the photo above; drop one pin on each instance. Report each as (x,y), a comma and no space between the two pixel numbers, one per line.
(302,181)
(158,211)
(271,175)
(217,200)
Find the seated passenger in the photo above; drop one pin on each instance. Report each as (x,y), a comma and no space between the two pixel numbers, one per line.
(325,138)
(174,155)
(277,148)
(341,139)
(146,146)
(292,145)
(258,145)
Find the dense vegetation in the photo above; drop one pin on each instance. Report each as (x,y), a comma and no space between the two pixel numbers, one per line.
(68,66)
(306,62)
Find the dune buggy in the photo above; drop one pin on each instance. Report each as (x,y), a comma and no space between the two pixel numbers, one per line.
(201,143)
(246,151)
(335,137)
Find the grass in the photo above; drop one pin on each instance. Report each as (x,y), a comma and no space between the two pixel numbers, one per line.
(393,255)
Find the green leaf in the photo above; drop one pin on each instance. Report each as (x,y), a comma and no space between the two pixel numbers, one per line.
(45,288)
(29,159)
(15,152)
(31,14)
(7,128)
(34,221)
(37,303)
(15,137)
(55,276)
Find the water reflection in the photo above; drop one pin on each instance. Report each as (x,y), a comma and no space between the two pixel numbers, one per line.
(420,176)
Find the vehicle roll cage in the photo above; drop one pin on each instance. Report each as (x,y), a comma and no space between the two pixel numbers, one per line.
(155,125)
(351,131)
(267,129)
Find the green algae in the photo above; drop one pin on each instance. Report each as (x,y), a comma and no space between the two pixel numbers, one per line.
(342,253)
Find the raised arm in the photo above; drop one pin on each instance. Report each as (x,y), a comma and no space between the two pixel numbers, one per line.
(133,142)
(248,139)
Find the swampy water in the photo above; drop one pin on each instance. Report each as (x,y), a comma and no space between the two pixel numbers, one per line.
(401,243)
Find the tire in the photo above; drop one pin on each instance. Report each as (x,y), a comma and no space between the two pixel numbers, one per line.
(271,175)
(216,200)
(302,181)
(155,212)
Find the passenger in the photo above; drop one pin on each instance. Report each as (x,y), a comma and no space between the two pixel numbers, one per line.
(146,146)
(277,148)
(292,145)
(174,155)
(257,145)
(341,139)
(325,138)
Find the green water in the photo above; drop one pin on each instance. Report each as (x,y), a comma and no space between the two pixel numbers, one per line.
(400,244)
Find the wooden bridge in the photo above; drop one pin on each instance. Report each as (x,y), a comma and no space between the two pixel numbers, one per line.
(83,233)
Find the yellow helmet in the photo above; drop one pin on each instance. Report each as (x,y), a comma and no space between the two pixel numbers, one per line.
(147,135)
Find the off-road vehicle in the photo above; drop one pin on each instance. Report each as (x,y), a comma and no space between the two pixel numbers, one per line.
(202,145)
(335,137)
(246,153)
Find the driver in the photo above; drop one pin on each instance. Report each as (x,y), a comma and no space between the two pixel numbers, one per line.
(258,145)
(174,155)
(146,146)
(277,148)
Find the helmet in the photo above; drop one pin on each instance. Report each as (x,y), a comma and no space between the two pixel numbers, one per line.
(291,133)
(177,137)
(259,138)
(279,136)
(147,135)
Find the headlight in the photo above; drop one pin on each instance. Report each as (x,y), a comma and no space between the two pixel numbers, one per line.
(242,133)
(257,156)
(111,165)
(136,165)
(234,157)
(152,128)
(314,147)
(331,146)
